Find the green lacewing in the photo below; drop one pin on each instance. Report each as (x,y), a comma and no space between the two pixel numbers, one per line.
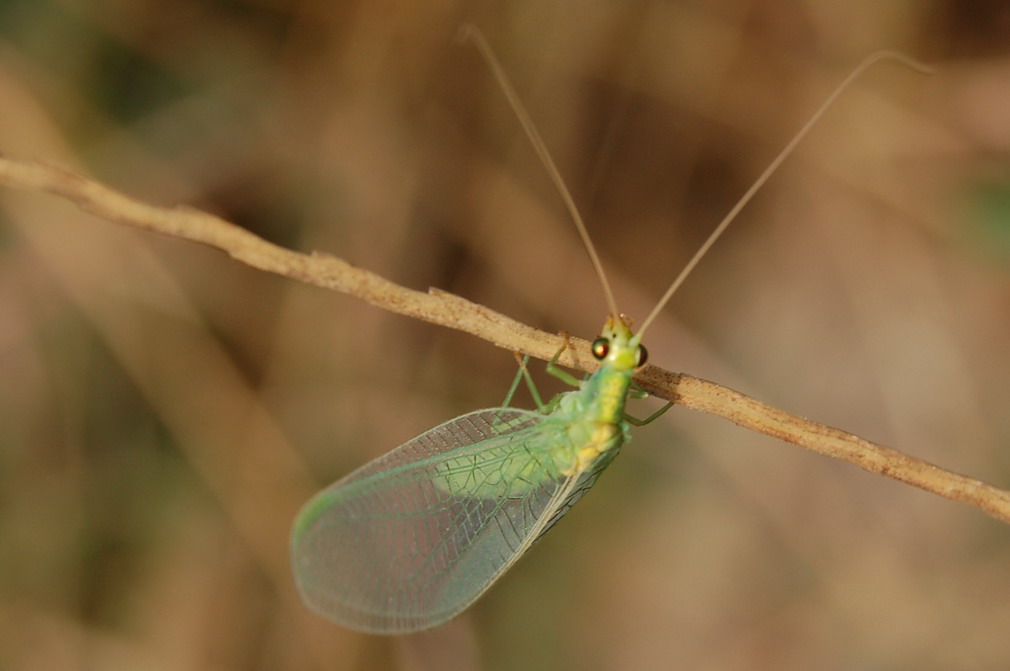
(411,539)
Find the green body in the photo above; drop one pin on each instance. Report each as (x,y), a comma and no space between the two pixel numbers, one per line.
(411,539)
(583,427)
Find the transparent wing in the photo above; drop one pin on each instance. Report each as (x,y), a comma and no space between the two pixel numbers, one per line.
(411,539)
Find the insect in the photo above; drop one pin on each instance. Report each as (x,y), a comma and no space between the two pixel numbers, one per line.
(413,538)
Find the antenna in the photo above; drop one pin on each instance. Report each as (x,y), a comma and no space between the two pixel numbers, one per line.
(470,32)
(783,155)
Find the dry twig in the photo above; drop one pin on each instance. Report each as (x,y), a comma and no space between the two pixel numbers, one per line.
(445,309)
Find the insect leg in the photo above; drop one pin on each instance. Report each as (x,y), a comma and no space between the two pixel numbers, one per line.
(524,373)
(560,373)
(634,421)
(514,387)
(636,391)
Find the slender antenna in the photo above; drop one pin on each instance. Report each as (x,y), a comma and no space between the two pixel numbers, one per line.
(470,32)
(860,69)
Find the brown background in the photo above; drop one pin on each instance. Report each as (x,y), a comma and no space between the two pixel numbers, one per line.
(164,411)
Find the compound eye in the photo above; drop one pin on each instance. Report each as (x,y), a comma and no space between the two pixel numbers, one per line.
(600,348)
(643,356)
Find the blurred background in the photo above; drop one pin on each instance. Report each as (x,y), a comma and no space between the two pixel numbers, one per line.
(164,411)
